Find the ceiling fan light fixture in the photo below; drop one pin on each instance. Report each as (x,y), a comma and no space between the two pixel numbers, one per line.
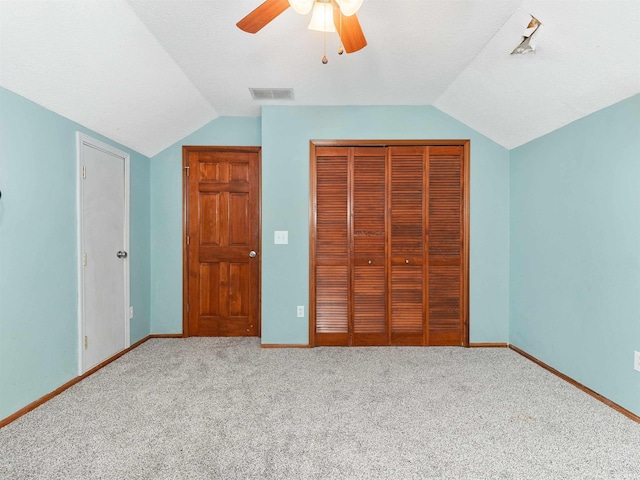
(322,17)
(349,7)
(301,6)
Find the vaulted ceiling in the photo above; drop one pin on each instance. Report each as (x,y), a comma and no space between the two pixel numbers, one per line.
(146,73)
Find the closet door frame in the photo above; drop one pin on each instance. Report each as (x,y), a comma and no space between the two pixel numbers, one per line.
(465,144)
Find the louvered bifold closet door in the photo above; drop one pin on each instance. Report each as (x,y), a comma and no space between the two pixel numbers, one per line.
(332,262)
(445,236)
(368,225)
(389,244)
(408,269)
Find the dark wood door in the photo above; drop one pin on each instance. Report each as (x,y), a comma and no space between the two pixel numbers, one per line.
(389,244)
(331,246)
(445,246)
(368,233)
(408,183)
(222,239)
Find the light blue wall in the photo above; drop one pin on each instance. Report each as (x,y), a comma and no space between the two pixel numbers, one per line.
(166,214)
(569,237)
(38,253)
(286,132)
(575,250)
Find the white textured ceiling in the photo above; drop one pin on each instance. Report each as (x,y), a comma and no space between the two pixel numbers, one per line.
(148,72)
(96,63)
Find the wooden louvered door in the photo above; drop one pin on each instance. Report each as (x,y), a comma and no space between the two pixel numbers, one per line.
(408,233)
(389,244)
(445,246)
(222,237)
(331,246)
(368,240)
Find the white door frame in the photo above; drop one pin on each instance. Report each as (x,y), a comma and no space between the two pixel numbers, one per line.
(83,139)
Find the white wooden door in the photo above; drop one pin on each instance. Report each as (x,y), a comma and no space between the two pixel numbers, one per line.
(104,251)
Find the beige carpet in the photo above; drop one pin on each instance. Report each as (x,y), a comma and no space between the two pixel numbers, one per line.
(226,409)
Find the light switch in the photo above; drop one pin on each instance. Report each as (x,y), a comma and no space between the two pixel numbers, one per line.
(281,237)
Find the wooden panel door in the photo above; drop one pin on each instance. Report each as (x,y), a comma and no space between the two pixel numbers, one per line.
(408,232)
(368,233)
(331,246)
(222,235)
(446,234)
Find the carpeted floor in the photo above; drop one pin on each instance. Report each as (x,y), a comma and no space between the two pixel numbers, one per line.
(206,408)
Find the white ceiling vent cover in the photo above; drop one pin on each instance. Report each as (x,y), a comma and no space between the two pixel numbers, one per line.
(272,93)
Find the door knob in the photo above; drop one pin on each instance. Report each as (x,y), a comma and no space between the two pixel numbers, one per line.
(370,262)
(121,254)
(252,254)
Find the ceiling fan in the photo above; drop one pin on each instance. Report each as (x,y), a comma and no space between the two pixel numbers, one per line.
(345,21)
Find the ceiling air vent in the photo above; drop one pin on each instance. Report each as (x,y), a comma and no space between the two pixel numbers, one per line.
(272,93)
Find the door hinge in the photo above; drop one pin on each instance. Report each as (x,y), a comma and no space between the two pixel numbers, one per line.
(86,342)
(84,259)
(187,239)
(187,170)
(84,171)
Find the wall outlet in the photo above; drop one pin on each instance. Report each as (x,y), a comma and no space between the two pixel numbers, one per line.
(300,311)
(636,361)
(130,313)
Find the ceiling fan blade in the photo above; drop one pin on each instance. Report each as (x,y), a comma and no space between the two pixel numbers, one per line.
(350,31)
(262,15)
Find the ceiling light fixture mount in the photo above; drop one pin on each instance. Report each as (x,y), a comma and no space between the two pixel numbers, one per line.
(301,6)
(328,16)
(528,43)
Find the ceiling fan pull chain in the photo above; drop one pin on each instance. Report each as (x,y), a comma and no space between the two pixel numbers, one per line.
(341,48)
(325,60)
